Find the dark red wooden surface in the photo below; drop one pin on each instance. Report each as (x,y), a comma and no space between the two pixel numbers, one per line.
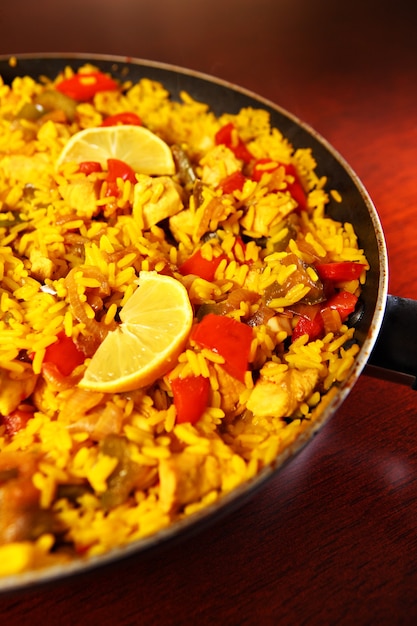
(333,538)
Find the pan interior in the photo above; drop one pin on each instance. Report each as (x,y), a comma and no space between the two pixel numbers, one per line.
(356,208)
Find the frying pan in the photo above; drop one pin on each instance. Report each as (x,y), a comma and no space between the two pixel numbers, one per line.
(382,323)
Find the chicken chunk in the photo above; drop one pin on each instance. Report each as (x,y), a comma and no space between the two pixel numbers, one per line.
(267,213)
(182,223)
(195,224)
(186,478)
(81,195)
(21,517)
(280,397)
(42,267)
(230,389)
(219,163)
(155,199)
(24,168)
(15,388)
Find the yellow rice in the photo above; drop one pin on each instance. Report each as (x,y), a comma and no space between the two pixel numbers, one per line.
(42,237)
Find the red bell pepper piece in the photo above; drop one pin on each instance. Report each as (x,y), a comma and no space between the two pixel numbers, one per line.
(312,327)
(263,166)
(88,167)
(198,265)
(295,188)
(64,354)
(127,117)
(344,302)
(344,270)
(16,420)
(191,395)
(227,337)
(118,169)
(83,87)
(233,182)
(228,136)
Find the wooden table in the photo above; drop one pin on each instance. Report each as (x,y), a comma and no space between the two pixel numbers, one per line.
(333,538)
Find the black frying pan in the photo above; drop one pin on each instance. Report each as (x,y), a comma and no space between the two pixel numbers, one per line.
(382,324)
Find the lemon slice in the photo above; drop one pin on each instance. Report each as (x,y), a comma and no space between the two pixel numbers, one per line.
(144,151)
(156,321)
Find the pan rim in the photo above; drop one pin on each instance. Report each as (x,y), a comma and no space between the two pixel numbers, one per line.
(244,492)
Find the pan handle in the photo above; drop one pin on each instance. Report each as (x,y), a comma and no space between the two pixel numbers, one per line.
(394,356)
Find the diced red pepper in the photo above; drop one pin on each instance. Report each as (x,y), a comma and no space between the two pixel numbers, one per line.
(312,327)
(84,86)
(128,118)
(118,169)
(81,550)
(295,188)
(64,354)
(263,166)
(191,395)
(16,420)
(343,302)
(227,337)
(345,270)
(88,167)
(233,182)
(198,265)
(227,135)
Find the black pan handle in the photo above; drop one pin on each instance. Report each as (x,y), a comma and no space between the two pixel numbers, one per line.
(394,356)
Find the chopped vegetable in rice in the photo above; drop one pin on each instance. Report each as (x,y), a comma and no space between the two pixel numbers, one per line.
(240,223)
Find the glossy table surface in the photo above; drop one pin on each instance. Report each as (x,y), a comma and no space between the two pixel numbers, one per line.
(332,539)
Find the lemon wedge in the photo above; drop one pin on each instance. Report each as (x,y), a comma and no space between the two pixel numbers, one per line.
(137,146)
(156,322)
